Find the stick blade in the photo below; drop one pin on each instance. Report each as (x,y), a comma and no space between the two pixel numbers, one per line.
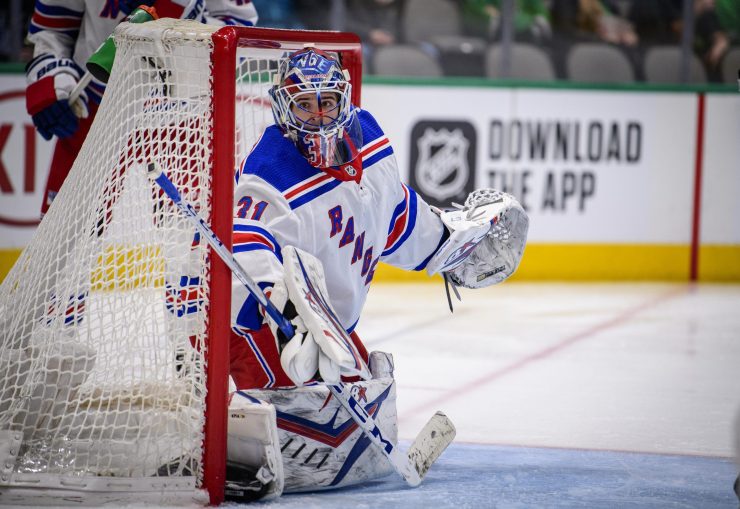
(431,443)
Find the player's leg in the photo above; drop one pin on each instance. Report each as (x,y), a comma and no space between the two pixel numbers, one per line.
(65,153)
(254,467)
(255,361)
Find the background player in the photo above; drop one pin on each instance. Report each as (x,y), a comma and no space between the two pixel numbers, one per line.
(65,33)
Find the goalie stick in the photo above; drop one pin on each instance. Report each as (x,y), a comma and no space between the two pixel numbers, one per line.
(436,435)
(77,108)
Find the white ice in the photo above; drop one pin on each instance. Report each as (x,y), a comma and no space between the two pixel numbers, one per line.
(629,367)
(563,395)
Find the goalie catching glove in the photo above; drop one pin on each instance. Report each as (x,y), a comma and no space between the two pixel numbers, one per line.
(486,242)
(320,344)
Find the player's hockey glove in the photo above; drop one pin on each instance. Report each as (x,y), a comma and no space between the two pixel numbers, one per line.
(486,243)
(50,81)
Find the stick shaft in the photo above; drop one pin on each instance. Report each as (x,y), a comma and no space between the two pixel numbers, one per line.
(84,81)
(399,461)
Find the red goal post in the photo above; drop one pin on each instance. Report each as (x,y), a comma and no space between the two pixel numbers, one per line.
(114,322)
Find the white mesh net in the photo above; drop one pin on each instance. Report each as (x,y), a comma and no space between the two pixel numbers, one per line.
(104,318)
(103,333)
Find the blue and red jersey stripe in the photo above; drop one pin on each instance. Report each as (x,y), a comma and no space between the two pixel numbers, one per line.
(251,237)
(317,185)
(56,18)
(402,222)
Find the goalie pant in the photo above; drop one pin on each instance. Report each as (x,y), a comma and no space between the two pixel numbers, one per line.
(76,28)
(302,439)
(255,361)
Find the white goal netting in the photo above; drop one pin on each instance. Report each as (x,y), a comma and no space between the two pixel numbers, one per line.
(104,319)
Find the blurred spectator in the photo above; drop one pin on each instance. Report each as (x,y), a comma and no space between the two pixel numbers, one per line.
(9,47)
(4,33)
(377,22)
(728,12)
(710,40)
(277,14)
(656,21)
(314,14)
(482,18)
(660,22)
(592,18)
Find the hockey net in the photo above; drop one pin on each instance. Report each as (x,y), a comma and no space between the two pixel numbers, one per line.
(114,320)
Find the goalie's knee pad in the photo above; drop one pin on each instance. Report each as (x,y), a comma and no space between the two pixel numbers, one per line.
(254,467)
(322,447)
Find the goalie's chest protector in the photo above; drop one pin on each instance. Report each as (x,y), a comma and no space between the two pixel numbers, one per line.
(344,223)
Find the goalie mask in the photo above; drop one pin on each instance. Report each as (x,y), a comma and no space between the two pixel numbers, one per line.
(311,104)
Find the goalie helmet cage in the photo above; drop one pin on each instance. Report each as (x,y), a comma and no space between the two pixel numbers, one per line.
(114,322)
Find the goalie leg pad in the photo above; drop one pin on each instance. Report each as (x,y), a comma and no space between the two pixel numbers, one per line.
(254,468)
(381,364)
(322,447)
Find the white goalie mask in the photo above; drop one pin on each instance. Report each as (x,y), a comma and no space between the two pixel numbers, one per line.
(311,103)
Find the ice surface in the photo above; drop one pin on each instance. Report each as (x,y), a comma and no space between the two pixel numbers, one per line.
(470,476)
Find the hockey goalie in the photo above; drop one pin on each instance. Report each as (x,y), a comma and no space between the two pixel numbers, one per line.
(323,182)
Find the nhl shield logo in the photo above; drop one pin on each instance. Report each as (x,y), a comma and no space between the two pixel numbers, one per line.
(443,160)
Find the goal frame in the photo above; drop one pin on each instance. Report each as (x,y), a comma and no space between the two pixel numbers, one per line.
(103,400)
(226,41)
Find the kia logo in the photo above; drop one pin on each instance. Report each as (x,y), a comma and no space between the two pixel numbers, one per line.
(20,184)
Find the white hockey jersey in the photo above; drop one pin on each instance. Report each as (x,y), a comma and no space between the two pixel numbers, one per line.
(350,225)
(76,28)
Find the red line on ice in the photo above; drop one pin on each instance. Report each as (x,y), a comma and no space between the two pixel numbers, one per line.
(478,383)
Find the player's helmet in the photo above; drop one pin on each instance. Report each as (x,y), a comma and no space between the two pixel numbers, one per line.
(329,135)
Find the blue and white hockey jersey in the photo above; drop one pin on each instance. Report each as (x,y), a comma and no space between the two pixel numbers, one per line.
(281,200)
(76,28)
